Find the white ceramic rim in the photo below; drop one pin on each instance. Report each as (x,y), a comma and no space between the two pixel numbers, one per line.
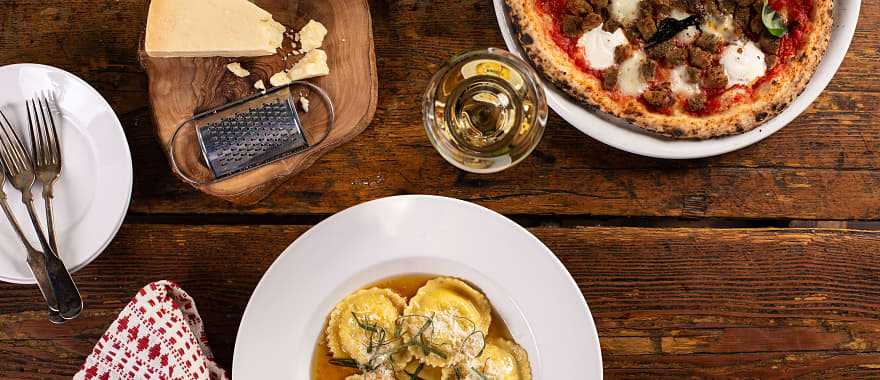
(128,180)
(619,134)
(257,326)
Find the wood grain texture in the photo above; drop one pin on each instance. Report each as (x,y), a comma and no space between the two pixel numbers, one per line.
(752,303)
(181,87)
(824,166)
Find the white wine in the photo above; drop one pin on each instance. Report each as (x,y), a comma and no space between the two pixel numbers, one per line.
(484,112)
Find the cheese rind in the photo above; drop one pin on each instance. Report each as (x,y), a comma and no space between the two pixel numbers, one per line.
(598,46)
(210,28)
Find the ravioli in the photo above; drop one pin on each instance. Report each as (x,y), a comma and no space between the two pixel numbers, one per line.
(453,318)
(500,360)
(361,321)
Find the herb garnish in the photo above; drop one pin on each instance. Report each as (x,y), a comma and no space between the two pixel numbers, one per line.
(478,373)
(773,21)
(669,27)
(382,349)
(350,363)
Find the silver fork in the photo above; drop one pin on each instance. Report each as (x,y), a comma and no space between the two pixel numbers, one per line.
(46,153)
(21,174)
(47,163)
(35,259)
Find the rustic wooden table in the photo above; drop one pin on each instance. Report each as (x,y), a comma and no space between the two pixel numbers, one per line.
(760,263)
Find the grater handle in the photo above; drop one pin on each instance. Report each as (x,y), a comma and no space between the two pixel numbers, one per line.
(192,181)
(331,112)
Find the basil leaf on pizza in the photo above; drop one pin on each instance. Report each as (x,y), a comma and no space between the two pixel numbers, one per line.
(772,20)
(682,68)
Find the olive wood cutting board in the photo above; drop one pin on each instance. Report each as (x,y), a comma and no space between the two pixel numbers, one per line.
(182,87)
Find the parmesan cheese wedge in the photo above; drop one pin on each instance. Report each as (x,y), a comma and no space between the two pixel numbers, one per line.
(210,28)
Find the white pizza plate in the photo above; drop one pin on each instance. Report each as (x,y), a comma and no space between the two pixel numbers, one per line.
(526,283)
(93,193)
(620,135)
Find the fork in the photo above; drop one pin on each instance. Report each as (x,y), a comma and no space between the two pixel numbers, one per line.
(46,153)
(35,258)
(21,175)
(47,163)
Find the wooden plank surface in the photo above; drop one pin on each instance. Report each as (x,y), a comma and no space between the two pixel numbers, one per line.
(825,165)
(757,303)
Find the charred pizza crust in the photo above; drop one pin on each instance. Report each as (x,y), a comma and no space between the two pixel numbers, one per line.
(533,29)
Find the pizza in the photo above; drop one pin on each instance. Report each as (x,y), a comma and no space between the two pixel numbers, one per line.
(688,69)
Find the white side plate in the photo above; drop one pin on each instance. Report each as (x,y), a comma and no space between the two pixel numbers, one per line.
(632,139)
(93,193)
(526,283)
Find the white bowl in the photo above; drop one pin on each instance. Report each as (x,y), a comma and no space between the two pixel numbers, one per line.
(528,286)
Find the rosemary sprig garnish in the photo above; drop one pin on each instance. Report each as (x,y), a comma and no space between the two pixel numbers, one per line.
(458,375)
(428,349)
(382,348)
(350,363)
(366,326)
(482,339)
(478,373)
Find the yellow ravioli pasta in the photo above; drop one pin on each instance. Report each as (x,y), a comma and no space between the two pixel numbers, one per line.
(456,311)
(500,360)
(376,308)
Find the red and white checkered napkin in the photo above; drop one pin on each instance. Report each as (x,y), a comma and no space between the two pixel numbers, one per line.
(157,336)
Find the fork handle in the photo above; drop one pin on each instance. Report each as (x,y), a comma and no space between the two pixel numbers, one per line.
(66,293)
(70,302)
(54,315)
(48,194)
(35,260)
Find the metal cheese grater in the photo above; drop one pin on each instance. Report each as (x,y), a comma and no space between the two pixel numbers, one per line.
(252,132)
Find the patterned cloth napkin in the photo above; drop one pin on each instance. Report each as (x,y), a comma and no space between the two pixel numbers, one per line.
(157,336)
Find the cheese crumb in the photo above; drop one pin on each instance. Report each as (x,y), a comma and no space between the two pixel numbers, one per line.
(280,79)
(260,86)
(313,64)
(311,36)
(236,69)
(304,103)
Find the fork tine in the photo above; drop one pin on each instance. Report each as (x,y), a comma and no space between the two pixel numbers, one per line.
(53,108)
(53,148)
(41,128)
(18,157)
(35,130)
(4,145)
